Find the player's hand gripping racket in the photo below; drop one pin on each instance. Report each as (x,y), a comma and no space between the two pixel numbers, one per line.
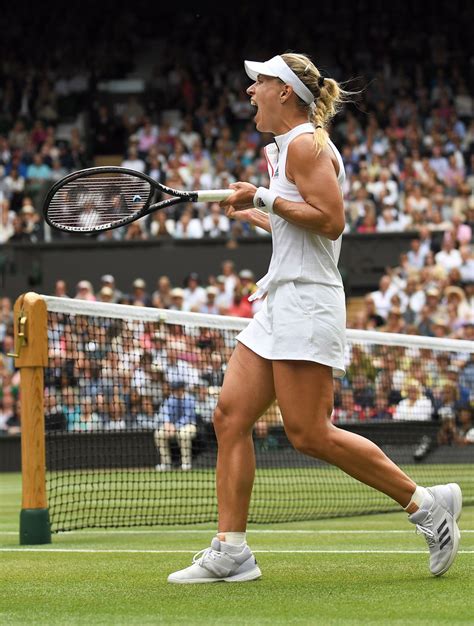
(102,198)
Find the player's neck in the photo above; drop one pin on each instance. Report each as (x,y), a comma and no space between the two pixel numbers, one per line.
(288,122)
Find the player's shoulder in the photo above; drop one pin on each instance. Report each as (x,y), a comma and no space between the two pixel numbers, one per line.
(301,149)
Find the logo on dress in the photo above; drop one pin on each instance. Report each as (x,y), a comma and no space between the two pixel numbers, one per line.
(275,175)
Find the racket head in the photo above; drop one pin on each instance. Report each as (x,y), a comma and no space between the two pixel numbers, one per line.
(98,199)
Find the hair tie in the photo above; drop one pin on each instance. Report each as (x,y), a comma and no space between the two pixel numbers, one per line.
(318,126)
(320,81)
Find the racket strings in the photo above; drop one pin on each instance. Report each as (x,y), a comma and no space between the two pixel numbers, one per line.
(96,201)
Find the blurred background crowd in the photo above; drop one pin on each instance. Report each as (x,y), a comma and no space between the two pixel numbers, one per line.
(177,110)
(407,141)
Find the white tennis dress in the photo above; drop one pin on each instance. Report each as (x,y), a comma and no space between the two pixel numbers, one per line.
(304,314)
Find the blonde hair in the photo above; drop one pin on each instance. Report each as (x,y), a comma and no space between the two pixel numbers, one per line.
(328,96)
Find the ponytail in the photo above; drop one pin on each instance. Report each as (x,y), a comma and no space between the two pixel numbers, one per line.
(329,96)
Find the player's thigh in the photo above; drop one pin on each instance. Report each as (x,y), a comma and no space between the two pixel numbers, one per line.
(247,391)
(305,394)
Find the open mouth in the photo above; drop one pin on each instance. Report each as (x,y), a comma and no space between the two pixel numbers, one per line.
(254,106)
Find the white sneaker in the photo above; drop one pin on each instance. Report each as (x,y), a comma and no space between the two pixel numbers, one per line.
(186,467)
(439,527)
(220,562)
(163,467)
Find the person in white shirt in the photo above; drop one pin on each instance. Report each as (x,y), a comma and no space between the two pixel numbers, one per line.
(416,255)
(194,295)
(387,222)
(295,344)
(188,227)
(466,268)
(215,224)
(415,407)
(448,257)
(384,190)
(133,162)
(383,296)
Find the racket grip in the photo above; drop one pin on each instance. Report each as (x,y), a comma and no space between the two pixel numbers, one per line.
(213,195)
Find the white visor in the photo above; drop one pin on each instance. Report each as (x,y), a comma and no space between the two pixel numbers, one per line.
(277,68)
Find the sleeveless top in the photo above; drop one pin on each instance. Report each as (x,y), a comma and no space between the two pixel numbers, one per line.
(297,254)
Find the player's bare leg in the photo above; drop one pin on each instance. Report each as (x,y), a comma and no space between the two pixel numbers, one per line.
(246,394)
(435,511)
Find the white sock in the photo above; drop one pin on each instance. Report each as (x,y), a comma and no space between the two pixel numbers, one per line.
(233,539)
(422,498)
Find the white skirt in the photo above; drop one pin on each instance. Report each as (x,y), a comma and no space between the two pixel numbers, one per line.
(300,321)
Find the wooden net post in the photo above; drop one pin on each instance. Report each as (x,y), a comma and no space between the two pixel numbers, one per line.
(31,356)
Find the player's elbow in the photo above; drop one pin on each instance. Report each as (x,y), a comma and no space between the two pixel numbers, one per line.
(332,229)
(331,222)
(335,232)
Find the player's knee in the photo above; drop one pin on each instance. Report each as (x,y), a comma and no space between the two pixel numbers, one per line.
(227,422)
(315,442)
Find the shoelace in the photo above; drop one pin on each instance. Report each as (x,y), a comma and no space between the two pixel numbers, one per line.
(207,553)
(427,532)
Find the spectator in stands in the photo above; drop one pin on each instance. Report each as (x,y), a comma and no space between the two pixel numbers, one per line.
(448,257)
(382,297)
(9,419)
(177,418)
(136,231)
(107,280)
(466,268)
(215,224)
(177,299)
(382,410)
(416,406)
(106,294)
(7,221)
(160,226)
(348,412)
(139,295)
(14,188)
(133,161)
(213,374)
(363,390)
(240,306)
(194,294)
(446,435)
(374,320)
(31,224)
(416,255)
(465,432)
(84,291)
(188,227)
(60,289)
(388,222)
(210,307)
(117,412)
(161,297)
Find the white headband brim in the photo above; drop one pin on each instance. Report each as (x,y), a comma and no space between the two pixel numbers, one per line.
(277,68)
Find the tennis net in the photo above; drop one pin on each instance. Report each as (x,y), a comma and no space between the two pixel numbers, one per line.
(118,374)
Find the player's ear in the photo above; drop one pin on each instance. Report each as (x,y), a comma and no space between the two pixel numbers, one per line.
(285,93)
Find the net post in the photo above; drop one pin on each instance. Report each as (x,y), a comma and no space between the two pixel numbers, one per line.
(31,357)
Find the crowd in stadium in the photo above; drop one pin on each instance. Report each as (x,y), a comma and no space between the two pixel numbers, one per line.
(407,145)
(113,374)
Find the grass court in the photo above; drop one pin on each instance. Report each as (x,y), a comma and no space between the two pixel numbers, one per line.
(355,570)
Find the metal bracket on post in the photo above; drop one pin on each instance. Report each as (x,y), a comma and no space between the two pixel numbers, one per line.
(22,339)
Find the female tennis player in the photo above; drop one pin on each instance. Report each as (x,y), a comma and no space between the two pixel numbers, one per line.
(295,344)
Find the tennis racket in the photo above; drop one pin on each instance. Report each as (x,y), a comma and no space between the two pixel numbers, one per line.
(102,198)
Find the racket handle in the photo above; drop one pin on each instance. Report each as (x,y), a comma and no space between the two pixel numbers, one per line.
(213,195)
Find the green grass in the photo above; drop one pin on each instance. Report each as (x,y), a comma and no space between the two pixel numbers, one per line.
(298,587)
